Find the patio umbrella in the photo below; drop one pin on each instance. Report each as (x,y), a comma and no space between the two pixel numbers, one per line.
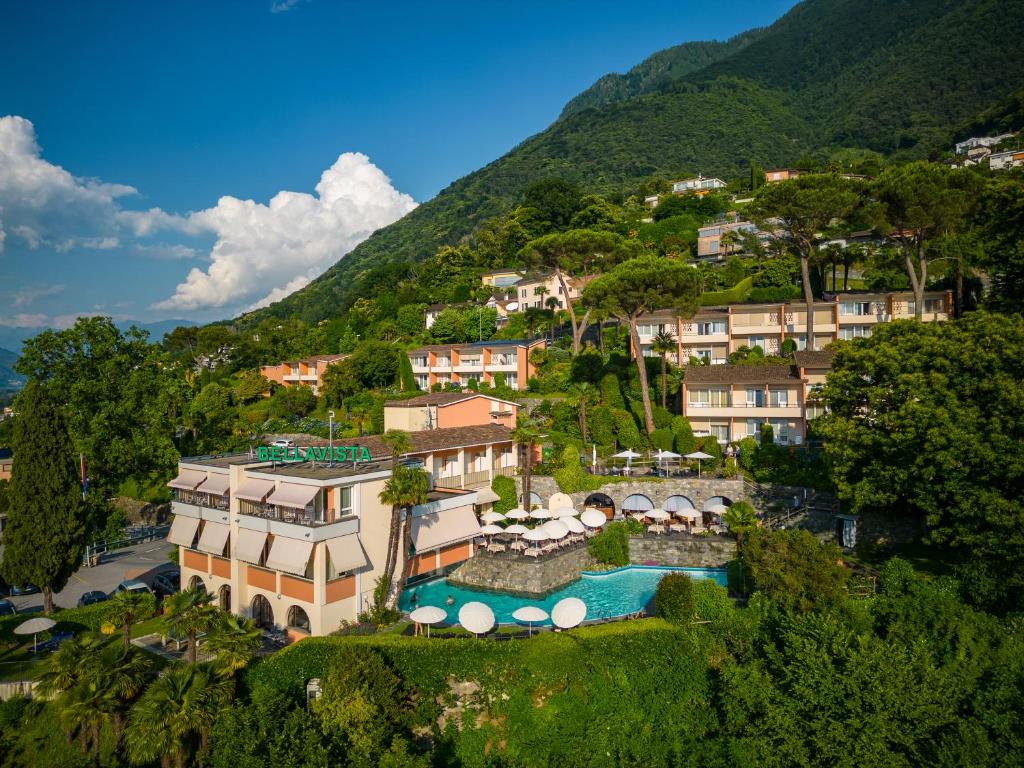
(593,517)
(540,513)
(492,517)
(688,514)
(662,455)
(517,529)
(628,455)
(556,529)
(536,534)
(531,614)
(428,614)
(574,525)
(477,618)
(657,514)
(699,456)
(564,512)
(568,613)
(718,509)
(486,496)
(517,514)
(491,529)
(34,627)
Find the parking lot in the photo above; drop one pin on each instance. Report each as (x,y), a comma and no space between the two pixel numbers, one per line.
(142,561)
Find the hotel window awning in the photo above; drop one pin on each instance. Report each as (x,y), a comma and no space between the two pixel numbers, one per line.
(183,530)
(249,545)
(254,490)
(437,529)
(293,495)
(187,480)
(216,485)
(347,553)
(214,537)
(289,555)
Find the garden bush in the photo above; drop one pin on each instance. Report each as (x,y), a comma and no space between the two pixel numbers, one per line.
(572,477)
(683,441)
(662,438)
(710,601)
(896,577)
(505,487)
(673,599)
(611,394)
(611,545)
(626,430)
(711,447)
(601,425)
(662,416)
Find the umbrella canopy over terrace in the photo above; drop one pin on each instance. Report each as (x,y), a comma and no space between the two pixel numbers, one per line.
(540,513)
(517,529)
(574,525)
(34,627)
(699,456)
(477,618)
(568,613)
(593,518)
(517,514)
(556,529)
(564,512)
(491,530)
(530,615)
(536,534)
(657,514)
(428,614)
(492,517)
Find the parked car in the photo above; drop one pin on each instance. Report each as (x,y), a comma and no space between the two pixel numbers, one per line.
(7,608)
(25,589)
(131,586)
(283,443)
(166,583)
(92,596)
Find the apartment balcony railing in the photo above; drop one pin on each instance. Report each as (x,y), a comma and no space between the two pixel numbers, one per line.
(307,517)
(452,482)
(474,479)
(206,500)
(504,471)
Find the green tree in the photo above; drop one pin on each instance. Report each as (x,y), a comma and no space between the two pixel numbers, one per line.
(191,613)
(800,209)
(664,344)
(636,287)
(919,202)
(211,416)
(795,569)
(1000,221)
(233,642)
(554,201)
(527,437)
(406,488)
(127,608)
(740,519)
(582,395)
(45,534)
(251,386)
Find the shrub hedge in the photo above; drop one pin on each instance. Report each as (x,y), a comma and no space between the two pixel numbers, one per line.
(673,599)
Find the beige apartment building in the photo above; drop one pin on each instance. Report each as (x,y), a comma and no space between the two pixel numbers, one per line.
(442,410)
(307,372)
(714,332)
(460,364)
(296,538)
(535,289)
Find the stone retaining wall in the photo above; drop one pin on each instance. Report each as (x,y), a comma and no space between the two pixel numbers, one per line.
(522,576)
(692,551)
(657,489)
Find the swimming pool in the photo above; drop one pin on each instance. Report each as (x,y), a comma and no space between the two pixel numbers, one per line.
(607,594)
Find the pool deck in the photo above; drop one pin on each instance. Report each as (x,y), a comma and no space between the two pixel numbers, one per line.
(522,576)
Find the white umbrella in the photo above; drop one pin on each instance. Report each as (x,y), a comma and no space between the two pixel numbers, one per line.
(486,496)
(428,614)
(666,455)
(564,512)
(626,454)
(568,613)
(718,509)
(699,456)
(688,514)
(517,529)
(556,529)
(540,513)
(559,499)
(492,517)
(536,534)
(477,618)
(517,514)
(593,518)
(594,509)
(531,614)
(491,529)
(657,514)
(34,627)
(574,525)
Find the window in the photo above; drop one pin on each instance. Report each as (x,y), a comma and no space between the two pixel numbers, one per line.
(700,398)
(703,354)
(443,362)
(781,430)
(754,429)
(720,432)
(757,341)
(778,398)
(422,380)
(419,361)
(718,398)
(755,397)
(512,380)
(711,328)
(443,380)
(295,370)
(858,308)
(855,332)
(343,498)
(933,305)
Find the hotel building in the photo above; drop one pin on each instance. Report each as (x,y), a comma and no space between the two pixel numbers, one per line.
(714,332)
(462,363)
(299,544)
(307,372)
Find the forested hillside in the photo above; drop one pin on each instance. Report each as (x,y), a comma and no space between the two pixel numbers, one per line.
(896,76)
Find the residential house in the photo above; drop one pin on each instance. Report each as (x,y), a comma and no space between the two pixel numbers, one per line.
(305,372)
(459,364)
(6,463)
(975,142)
(430,314)
(723,238)
(443,410)
(537,287)
(813,367)
(1001,161)
(501,278)
(698,185)
(780,174)
(715,332)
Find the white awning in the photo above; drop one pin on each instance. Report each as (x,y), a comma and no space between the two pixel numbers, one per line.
(293,495)
(249,545)
(183,530)
(446,527)
(289,555)
(486,496)
(216,485)
(347,553)
(254,490)
(214,537)
(187,480)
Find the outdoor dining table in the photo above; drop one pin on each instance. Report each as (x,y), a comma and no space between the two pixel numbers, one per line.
(517,545)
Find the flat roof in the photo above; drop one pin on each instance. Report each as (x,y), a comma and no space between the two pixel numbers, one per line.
(440,399)
(221,460)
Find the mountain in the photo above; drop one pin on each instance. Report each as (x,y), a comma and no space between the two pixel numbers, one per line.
(895,76)
(9,380)
(12,338)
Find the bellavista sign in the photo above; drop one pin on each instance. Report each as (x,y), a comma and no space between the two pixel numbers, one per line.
(313,453)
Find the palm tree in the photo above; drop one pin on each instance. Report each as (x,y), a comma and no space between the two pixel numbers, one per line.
(582,395)
(553,304)
(399,443)
(664,343)
(67,665)
(406,488)
(741,520)
(233,643)
(175,710)
(192,613)
(127,608)
(526,436)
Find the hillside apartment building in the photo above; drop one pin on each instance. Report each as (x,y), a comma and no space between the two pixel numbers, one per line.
(306,372)
(295,540)
(479,361)
(732,402)
(534,290)
(714,332)
(720,239)
(699,185)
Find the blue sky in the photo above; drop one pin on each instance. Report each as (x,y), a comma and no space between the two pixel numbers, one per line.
(188,102)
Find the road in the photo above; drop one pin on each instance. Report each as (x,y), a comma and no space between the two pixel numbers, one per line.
(142,561)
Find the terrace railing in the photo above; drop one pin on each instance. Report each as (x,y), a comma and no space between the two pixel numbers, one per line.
(307,516)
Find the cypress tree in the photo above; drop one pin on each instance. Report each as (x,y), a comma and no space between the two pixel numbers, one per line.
(46,526)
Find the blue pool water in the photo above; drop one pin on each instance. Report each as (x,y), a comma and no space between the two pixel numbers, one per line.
(608,594)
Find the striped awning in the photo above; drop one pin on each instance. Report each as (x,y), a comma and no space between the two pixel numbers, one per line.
(216,485)
(289,555)
(252,489)
(293,495)
(347,553)
(214,538)
(183,530)
(448,526)
(187,480)
(249,545)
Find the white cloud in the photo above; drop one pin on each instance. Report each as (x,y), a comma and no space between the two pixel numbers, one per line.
(25,296)
(170,252)
(264,252)
(43,204)
(23,320)
(283,6)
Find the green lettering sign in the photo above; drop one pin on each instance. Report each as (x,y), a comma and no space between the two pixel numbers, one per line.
(357,453)
(263,453)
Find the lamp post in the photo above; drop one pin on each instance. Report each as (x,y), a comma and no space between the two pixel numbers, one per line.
(330,438)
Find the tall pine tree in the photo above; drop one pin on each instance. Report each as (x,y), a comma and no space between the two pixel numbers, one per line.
(46,527)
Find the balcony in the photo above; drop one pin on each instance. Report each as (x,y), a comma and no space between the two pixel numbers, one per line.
(469,366)
(502,365)
(204,506)
(293,523)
